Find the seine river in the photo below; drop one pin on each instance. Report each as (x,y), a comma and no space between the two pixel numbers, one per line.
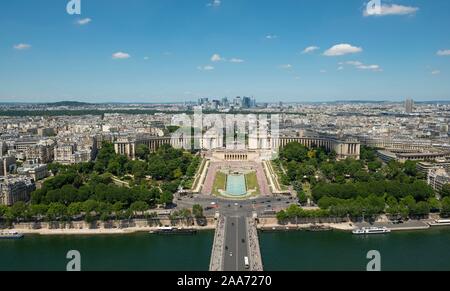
(417,250)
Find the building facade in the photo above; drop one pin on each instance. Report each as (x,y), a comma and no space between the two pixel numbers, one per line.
(344,149)
(13,189)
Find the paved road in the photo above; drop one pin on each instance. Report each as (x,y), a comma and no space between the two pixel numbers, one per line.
(243,208)
(236,246)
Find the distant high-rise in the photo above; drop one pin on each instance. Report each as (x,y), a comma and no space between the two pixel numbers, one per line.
(203,101)
(409,106)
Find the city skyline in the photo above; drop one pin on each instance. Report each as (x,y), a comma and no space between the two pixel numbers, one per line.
(294,51)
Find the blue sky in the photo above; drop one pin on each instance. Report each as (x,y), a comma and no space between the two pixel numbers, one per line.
(179,50)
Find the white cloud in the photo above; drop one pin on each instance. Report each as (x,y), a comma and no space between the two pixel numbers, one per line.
(120,56)
(310,49)
(390,9)
(323,71)
(271,36)
(354,63)
(443,53)
(236,60)
(342,49)
(146,58)
(217,58)
(205,68)
(340,68)
(361,66)
(84,21)
(286,66)
(436,72)
(22,46)
(214,3)
(375,68)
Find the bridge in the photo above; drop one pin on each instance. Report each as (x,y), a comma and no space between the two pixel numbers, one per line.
(236,237)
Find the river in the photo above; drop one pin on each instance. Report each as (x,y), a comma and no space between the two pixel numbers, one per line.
(415,250)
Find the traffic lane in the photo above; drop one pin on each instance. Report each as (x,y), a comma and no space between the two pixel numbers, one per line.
(230,245)
(242,209)
(236,242)
(242,244)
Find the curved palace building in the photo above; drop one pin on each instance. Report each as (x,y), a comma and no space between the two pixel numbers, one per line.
(344,148)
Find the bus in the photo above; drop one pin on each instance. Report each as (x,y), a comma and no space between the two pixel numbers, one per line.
(246,263)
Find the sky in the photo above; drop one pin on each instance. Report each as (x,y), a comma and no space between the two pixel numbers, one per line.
(181,50)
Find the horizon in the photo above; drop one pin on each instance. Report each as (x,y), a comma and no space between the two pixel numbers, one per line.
(195,101)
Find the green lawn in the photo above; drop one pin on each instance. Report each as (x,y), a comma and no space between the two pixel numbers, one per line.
(252,182)
(219,182)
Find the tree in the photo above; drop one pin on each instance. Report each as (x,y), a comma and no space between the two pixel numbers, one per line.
(374,166)
(302,199)
(3,209)
(435,204)
(142,151)
(410,168)
(38,210)
(139,207)
(409,202)
(282,216)
(90,206)
(104,216)
(197,210)
(56,211)
(294,152)
(75,209)
(445,191)
(19,210)
(422,208)
(362,176)
(166,198)
(445,211)
(138,169)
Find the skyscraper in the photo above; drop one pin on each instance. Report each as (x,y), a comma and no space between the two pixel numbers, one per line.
(409,106)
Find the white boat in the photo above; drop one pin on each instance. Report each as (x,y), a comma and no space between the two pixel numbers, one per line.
(371,230)
(10,235)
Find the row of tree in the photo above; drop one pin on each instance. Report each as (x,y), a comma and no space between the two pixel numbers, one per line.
(89,210)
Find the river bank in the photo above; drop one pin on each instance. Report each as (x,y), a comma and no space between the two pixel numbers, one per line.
(105,228)
(136,226)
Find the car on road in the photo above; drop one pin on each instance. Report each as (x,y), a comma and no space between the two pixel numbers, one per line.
(236,204)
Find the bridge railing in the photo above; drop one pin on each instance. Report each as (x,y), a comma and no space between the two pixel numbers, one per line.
(216,262)
(253,246)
